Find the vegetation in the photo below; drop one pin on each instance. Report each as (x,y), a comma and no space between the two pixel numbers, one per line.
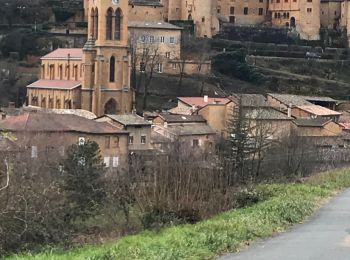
(234,64)
(284,204)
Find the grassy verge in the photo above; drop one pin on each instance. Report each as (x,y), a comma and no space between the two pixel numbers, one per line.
(287,204)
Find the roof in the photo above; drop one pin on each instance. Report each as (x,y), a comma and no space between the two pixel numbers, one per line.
(47,122)
(145,2)
(199,101)
(251,100)
(169,118)
(191,129)
(153,25)
(346,126)
(60,53)
(298,100)
(265,113)
(55,84)
(311,122)
(319,111)
(129,120)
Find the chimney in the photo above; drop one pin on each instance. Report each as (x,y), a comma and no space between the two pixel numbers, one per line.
(290,110)
(206,99)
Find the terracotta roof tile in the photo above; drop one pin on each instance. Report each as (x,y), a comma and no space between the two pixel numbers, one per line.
(319,111)
(75,53)
(55,84)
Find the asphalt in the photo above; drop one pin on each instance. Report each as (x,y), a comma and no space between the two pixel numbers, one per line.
(325,236)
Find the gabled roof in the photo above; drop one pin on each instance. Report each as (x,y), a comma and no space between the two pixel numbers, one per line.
(169,118)
(250,100)
(199,101)
(191,129)
(153,25)
(55,84)
(311,122)
(319,111)
(298,100)
(47,122)
(265,113)
(129,120)
(63,53)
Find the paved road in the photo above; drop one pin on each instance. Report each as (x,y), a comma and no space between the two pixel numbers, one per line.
(325,236)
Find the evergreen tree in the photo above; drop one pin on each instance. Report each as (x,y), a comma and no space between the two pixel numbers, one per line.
(83,175)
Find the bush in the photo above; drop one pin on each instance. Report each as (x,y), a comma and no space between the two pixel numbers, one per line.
(159,218)
(248,197)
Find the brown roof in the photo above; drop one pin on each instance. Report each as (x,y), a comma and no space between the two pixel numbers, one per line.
(129,120)
(46,122)
(74,53)
(55,84)
(319,111)
(298,100)
(311,122)
(251,100)
(169,118)
(199,101)
(191,129)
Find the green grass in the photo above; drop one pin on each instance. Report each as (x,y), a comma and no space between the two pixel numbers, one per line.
(288,204)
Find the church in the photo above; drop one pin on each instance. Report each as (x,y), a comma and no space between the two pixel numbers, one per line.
(95,78)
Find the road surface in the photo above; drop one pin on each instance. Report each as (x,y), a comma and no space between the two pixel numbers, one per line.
(325,236)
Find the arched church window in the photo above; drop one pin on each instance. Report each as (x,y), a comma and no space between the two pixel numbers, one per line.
(109,19)
(118,21)
(112,69)
(111,107)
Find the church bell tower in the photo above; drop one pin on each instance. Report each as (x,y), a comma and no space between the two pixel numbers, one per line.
(106,62)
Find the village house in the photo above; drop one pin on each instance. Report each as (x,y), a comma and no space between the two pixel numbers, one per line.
(315,111)
(95,78)
(139,130)
(47,135)
(316,127)
(189,130)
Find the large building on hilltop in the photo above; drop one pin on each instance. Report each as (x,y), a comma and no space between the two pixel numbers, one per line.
(95,78)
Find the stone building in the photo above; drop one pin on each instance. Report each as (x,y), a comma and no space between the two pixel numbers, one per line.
(48,135)
(330,13)
(303,15)
(95,78)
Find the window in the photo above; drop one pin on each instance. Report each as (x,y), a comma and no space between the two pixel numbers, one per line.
(261,1)
(115,162)
(261,11)
(232,10)
(309,1)
(172,40)
(174,66)
(142,67)
(143,139)
(107,142)
(34,153)
(309,10)
(112,69)
(167,55)
(203,19)
(286,1)
(160,67)
(162,39)
(109,24)
(245,11)
(151,39)
(106,161)
(195,142)
(143,38)
(117,33)
(131,139)
(116,142)
(81,141)
(278,1)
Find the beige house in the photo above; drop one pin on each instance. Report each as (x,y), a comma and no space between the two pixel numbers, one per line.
(190,130)
(95,78)
(331,13)
(316,127)
(139,129)
(44,135)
